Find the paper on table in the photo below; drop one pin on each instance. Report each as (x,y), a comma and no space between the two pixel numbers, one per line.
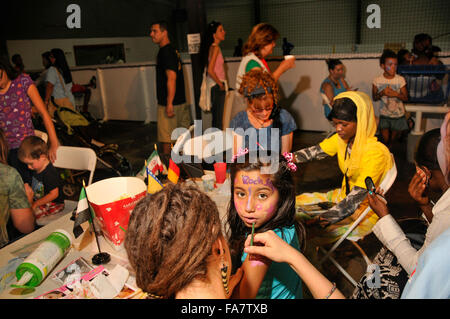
(118,277)
(101,287)
(108,287)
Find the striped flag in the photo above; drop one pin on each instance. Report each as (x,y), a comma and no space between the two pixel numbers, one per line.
(174,172)
(83,213)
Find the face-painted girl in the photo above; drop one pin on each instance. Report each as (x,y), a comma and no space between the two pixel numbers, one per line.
(255,198)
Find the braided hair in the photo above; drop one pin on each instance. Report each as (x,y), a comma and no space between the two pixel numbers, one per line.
(170,237)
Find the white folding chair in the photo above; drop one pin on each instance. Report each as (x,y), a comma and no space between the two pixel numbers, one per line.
(182,139)
(42,135)
(77,158)
(209,145)
(385,185)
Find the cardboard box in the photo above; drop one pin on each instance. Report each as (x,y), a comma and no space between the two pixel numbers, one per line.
(113,201)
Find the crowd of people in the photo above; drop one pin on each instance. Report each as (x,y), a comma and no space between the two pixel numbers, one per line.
(175,241)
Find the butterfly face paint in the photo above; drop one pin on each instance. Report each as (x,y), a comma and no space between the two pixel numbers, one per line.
(255,198)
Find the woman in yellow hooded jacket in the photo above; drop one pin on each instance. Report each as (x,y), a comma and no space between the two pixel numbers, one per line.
(359,155)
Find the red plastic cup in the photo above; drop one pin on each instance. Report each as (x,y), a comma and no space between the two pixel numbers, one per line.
(221,172)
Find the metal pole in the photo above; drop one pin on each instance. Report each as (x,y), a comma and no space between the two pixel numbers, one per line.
(196,24)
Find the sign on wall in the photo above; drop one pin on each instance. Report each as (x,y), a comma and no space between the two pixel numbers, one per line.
(194,43)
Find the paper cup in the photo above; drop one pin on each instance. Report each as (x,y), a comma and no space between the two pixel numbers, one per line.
(287,57)
(221,172)
(208,182)
(113,201)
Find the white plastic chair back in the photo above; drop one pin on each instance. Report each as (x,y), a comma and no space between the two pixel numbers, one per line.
(77,158)
(181,140)
(208,145)
(42,135)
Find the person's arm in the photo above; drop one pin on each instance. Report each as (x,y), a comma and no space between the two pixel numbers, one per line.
(171,88)
(48,93)
(283,67)
(52,195)
(328,89)
(254,270)
(402,95)
(212,62)
(21,214)
(376,96)
(276,249)
(23,219)
(391,235)
(36,99)
(286,142)
(309,153)
(29,192)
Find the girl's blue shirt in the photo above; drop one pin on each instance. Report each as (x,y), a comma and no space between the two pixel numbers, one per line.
(281,281)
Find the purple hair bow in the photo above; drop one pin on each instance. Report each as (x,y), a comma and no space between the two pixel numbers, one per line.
(289,158)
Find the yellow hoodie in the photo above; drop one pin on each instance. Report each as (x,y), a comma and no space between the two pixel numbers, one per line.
(368,157)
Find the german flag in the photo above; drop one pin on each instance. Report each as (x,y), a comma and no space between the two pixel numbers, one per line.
(174,172)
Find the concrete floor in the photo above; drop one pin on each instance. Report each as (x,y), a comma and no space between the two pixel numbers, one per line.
(136,142)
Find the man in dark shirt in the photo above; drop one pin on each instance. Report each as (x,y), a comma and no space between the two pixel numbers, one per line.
(173,111)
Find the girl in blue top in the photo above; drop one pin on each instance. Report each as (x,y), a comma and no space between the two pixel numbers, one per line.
(263,125)
(263,202)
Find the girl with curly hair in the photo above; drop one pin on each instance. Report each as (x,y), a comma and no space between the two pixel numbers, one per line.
(263,125)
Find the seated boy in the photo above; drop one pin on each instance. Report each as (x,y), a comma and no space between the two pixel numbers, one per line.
(390,89)
(46,183)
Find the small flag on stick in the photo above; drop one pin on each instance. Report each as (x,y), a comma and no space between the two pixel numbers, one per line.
(174,172)
(153,164)
(153,184)
(83,214)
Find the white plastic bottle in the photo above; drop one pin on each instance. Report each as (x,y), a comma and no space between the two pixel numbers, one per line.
(41,262)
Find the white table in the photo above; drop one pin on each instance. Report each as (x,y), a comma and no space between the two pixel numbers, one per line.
(419,110)
(31,240)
